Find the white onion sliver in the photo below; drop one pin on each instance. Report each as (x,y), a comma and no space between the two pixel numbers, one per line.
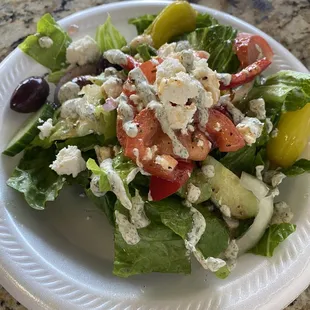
(256,186)
(257,229)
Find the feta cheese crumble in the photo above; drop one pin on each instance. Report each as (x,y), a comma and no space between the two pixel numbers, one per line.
(208,171)
(113,87)
(83,51)
(274,133)
(193,193)
(69,90)
(282,213)
(258,107)
(277,179)
(225,210)
(251,129)
(46,129)
(68,161)
(45,42)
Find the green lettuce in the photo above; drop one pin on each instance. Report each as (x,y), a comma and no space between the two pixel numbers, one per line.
(284,91)
(108,37)
(142,22)
(146,51)
(105,203)
(54,77)
(159,250)
(104,185)
(205,20)
(53,57)
(273,236)
(299,167)
(35,179)
(217,40)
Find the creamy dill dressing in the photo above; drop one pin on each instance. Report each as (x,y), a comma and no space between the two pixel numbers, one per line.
(116,183)
(126,112)
(115,57)
(145,91)
(128,231)
(132,174)
(137,214)
(178,148)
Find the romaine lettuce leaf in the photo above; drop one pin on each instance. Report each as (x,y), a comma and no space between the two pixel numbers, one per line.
(273,236)
(215,238)
(217,40)
(35,179)
(159,250)
(53,57)
(105,203)
(108,37)
(284,91)
(205,20)
(142,22)
(54,77)
(299,167)
(146,51)
(104,185)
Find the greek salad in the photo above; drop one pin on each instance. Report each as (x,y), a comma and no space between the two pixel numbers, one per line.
(177,136)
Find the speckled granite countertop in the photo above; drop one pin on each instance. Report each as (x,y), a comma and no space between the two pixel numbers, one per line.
(288,21)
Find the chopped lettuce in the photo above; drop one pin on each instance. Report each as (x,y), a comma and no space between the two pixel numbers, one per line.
(54,77)
(104,185)
(142,22)
(105,203)
(205,20)
(284,91)
(241,160)
(299,167)
(35,179)
(273,236)
(146,51)
(53,57)
(217,40)
(159,249)
(108,37)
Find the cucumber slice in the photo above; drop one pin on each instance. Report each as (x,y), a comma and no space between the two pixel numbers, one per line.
(227,190)
(28,130)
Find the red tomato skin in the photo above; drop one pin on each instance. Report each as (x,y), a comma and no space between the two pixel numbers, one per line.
(245,46)
(223,131)
(161,188)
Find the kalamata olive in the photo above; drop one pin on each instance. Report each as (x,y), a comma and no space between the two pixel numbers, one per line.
(104,63)
(81,80)
(29,95)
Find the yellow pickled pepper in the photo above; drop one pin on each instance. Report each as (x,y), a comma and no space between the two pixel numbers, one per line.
(292,137)
(177,18)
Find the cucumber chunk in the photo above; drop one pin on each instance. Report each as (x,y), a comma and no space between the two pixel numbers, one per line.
(28,131)
(227,190)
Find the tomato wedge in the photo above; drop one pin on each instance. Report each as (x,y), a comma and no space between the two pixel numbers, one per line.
(222,130)
(161,188)
(248,47)
(149,69)
(247,74)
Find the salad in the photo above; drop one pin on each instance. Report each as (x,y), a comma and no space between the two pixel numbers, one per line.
(176,135)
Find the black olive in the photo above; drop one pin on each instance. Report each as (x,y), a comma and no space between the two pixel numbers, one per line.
(30,95)
(103,63)
(81,81)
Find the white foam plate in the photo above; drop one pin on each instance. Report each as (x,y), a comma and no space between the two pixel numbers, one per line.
(57,259)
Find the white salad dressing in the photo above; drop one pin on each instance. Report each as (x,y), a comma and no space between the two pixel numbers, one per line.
(126,112)
(137,214)
(128,231)
(116,183)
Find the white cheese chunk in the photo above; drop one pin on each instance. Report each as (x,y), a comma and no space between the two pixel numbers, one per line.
(208,171)
(258,107)
(141,39)
(193,193)
(83,51)
(46,129)
(282,213)
(45,42)
(68,91)
(68,161)
(251,129)
(113,87)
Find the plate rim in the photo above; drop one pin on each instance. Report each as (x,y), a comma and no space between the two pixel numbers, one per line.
(17,288)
